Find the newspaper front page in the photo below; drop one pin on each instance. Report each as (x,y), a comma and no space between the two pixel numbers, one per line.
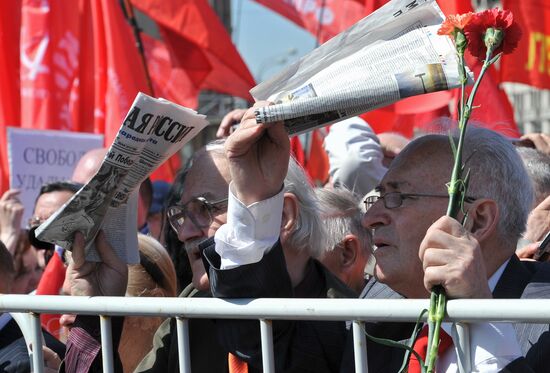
(153,130)
(392,54)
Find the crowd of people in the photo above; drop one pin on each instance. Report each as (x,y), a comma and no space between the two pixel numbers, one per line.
(242,220)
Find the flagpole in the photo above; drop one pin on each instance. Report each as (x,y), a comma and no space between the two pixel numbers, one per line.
(129,12)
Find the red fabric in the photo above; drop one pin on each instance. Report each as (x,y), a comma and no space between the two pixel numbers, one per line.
(297,150)
(49,63)
(170,80)
(495,110)
(317,163)
(236,365)
(92,69)
(119,73)
(198,40)
(337,15)
(51,283)
(421,346)
(10,23)
(313,159)
(530,62)
(455,6)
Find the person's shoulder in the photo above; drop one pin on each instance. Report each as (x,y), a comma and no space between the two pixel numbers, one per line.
(377,290)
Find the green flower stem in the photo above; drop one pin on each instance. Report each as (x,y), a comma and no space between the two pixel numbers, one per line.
(438,298)
(438,295)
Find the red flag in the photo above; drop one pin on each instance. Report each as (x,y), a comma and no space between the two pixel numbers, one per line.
(49,63)
(455,6)
(495,111)
(312,155)
(169,80)
(119,74)
(51,283)
(322,18)
(317,164)
(530,62)
(209,56)
(10,23)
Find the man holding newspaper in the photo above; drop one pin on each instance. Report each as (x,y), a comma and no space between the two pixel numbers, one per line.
(393,54)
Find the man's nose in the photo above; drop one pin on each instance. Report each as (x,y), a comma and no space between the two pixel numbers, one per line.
(376,215)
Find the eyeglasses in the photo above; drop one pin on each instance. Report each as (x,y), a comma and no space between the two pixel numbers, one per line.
(393,200)
(199,210)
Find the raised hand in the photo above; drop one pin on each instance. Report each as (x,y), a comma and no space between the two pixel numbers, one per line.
(106,278)
(258,157)
(11,213)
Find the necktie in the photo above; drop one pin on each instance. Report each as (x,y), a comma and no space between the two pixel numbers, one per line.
(421,346)
(236,365)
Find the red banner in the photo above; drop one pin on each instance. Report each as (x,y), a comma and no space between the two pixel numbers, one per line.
(530,62)
(10,23)
(322,18)
(199,42)
(49,63)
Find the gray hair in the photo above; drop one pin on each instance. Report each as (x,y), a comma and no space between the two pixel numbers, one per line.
(309,233)
(497,172)
(538,167)
(342,213)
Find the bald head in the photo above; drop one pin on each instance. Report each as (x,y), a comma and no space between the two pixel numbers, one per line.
(496,172)
(88,165)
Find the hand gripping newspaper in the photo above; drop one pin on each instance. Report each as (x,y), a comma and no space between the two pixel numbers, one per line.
(392,54)
(153,130)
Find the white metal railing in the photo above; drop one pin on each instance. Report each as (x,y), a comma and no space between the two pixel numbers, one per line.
(265,310)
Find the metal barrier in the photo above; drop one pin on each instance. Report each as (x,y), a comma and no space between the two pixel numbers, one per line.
(461,312)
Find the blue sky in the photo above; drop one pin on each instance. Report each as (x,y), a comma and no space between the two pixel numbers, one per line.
(266,41)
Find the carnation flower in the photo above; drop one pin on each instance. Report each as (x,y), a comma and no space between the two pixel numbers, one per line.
(454,23)
(495,28)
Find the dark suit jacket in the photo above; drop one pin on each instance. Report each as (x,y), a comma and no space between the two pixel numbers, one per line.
(525,280)
(207,354)
(299,346)
(13,350)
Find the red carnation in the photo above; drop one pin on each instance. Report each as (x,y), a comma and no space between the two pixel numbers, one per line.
(502,24)
(453,23)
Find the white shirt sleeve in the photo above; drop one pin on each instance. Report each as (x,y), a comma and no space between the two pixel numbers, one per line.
(352,145)
(250,231)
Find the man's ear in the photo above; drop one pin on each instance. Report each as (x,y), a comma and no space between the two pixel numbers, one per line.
(290,215)
(482,218)
(350,249)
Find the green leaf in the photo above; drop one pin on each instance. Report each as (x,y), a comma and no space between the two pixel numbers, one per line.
(410,343)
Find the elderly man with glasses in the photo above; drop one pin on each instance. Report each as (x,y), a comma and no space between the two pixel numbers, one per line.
(200,213)
(417,248)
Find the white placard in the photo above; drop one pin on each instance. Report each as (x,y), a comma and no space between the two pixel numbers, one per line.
(37,157)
